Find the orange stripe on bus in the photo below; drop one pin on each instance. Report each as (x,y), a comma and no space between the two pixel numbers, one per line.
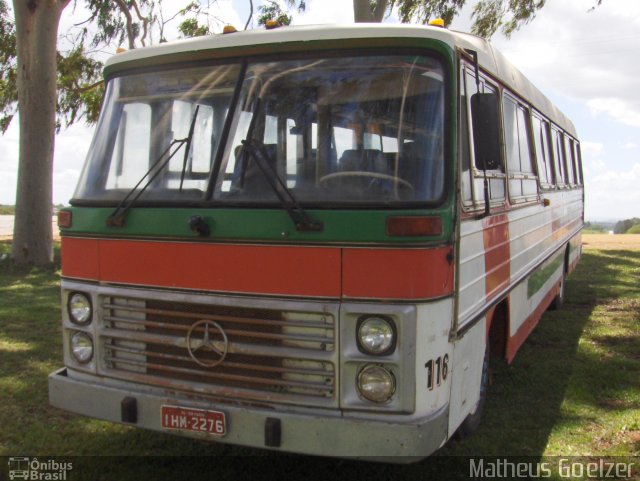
(297,271)
(80,258)
(330,272)
(397,273)
(496,254)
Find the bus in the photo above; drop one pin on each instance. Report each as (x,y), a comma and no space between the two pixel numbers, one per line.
(313,239)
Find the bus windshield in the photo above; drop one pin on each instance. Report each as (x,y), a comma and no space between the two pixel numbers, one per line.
(337,131)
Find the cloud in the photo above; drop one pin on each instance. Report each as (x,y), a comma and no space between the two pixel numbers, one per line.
(622,185)
(616,109)
(583,56)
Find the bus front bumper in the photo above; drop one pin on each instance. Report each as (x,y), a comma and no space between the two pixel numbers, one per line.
(314,434)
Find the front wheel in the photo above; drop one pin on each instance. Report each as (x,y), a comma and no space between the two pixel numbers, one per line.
(472,422)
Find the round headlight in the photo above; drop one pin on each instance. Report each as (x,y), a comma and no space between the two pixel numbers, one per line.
(376,335)
(79,307)
(376,383)
(82,347)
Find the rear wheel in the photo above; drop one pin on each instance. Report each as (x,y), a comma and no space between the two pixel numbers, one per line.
(558,301)
(472,422)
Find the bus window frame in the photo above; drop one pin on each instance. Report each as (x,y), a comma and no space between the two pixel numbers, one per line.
(477,202)
(547,158)
(522,177)
(560,157)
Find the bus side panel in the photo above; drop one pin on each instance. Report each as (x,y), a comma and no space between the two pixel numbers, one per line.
(538,238)
(433,356)
(530,299)
(471,270)
(575,252)
(466,374)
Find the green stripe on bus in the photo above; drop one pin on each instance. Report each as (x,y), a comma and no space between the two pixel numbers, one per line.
(263,225)
(542,275)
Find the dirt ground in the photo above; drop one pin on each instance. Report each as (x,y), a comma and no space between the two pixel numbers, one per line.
(6,228)
(627,242)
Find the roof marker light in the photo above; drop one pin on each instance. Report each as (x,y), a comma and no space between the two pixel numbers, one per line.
(229,29)
(437,22)
(271,24)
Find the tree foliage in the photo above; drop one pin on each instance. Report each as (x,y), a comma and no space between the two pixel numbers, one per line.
(624,226)
(488,16)
(8,86)
(79,75)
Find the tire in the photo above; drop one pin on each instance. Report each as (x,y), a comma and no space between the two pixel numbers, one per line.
(472,422)
(558,301)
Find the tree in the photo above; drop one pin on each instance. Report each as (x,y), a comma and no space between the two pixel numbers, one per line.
(623,226)
(52,88)
(36,33)
(488,15)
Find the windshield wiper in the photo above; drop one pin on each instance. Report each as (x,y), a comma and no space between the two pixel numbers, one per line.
(188,146)
(116,219)
(300,218)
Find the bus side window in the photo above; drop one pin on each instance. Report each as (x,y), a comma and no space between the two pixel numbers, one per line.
(568,148)
(465,150)
(559,157)
(522,183)
(578,158)
(543,154)
(485,141)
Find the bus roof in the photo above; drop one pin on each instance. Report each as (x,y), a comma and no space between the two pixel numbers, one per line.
(489,58)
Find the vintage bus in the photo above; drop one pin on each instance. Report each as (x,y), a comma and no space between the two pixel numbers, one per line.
(313,239)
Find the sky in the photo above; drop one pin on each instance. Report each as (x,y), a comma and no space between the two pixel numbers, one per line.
(585,61)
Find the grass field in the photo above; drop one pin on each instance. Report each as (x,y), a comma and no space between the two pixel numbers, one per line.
(573,390)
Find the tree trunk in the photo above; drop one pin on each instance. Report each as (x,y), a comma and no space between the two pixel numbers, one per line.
(36,38)
(362,11)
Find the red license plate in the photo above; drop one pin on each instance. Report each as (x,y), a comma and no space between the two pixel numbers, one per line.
(199,420)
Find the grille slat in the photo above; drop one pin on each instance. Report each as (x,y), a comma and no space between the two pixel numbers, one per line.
(242,333)
(285,355)
(256,367)
(238,320)
(218,375)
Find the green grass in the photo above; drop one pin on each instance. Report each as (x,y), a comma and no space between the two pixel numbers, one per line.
(573,390)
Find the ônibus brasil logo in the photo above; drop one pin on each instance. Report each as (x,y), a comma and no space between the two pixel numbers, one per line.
(33,469)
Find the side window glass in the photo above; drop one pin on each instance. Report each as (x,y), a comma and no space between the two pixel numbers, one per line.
(558,156)
(526,163)
(522,184)
(485,148)
(543,155)
(510,123)
(568,148)
(578,157)
(465,153)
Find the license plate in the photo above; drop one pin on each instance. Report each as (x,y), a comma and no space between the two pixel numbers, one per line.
(199,420)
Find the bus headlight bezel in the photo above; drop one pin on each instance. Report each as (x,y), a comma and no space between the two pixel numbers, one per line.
(79,308)
(81,347)
(376,383)
(381,343)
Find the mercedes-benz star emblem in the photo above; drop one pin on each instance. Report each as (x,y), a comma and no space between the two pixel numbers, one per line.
(211,339)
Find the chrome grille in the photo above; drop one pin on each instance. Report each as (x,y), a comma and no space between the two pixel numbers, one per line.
(274,355)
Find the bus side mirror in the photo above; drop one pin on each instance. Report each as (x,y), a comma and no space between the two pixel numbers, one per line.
(486,130)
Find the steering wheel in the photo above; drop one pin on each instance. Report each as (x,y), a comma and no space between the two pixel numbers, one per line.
(362,173)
